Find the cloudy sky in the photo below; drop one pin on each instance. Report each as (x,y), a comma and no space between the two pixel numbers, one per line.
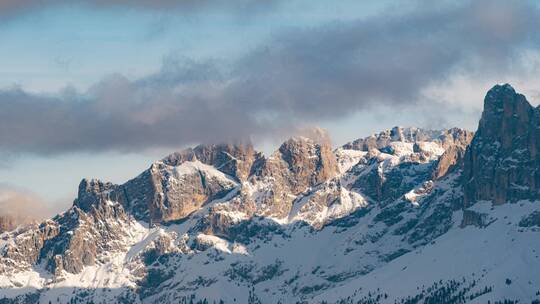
(101,88)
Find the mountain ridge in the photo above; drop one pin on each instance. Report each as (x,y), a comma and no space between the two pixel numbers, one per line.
(306,224)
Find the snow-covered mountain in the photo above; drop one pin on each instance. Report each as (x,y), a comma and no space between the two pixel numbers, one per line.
(404,216)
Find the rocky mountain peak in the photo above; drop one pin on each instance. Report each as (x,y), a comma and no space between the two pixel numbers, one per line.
(92,191)
(500,164)
(300,163)
(506,115)
(398,134)
(234,159)
(310,160)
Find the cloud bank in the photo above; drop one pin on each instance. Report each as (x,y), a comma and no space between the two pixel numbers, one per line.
(300,76)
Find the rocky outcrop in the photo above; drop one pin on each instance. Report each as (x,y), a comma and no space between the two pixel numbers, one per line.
(26,247)
(454,152)
(530,220)
(76,238)
(473,218)
(94,191)
(167,193)
(299,163)
(232,159)
(301,181)
(182,182)
(306,161)
(501,163)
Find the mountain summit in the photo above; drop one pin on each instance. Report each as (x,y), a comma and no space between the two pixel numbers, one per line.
(502,161)
(407,215)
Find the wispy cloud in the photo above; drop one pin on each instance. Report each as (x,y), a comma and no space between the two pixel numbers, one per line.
(300,76)
(23,206)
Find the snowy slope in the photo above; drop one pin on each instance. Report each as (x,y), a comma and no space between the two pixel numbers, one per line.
(502,255)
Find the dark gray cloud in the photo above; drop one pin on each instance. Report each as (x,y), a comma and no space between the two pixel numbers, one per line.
(301,76)
(343,67)
(118,114)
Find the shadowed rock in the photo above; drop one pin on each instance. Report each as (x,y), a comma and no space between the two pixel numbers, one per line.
(502,160)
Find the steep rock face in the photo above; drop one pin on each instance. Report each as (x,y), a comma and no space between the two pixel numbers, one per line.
(140,193)
(26,247)
(74,239)
(454,153)
(232,159)
(299,163)
(501,163)
(290,186)
(93,191)
(187,187)
(309,162)
(166,192)
(184,181)
(304,180)
(84,237)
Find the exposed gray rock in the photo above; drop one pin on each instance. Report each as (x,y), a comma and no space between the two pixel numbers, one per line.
(299,163)
(501,163)
(93,191)
(232,159)
(473,218)
(167,193)
(75,238)
(26,248)
(182,191)
(531,220)
(452,158)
